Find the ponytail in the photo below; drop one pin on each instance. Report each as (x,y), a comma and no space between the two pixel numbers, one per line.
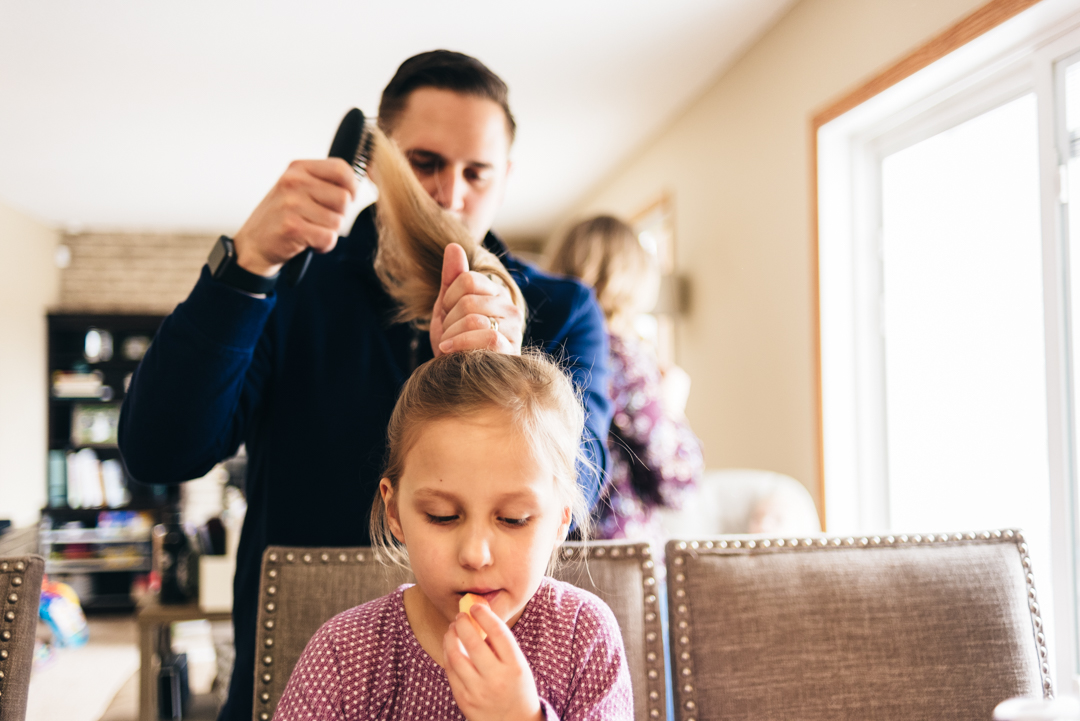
(413,233)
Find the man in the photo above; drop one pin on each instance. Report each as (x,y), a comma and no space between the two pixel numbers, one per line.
(307,376)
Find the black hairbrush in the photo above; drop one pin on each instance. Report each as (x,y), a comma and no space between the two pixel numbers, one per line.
(352,143)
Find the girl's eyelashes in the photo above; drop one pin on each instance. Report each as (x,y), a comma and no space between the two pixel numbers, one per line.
(437,520)
(440,520)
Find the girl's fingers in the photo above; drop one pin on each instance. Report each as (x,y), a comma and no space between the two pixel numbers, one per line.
(483,658)
(458,661)
(494,674)
(499,637)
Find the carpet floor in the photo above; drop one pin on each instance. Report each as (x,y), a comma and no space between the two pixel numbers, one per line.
(80,683)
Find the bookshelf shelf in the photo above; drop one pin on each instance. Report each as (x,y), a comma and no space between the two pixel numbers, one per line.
(87,382)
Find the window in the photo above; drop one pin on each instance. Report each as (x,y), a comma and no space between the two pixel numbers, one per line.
(655,226)
(949,272)
(962,329)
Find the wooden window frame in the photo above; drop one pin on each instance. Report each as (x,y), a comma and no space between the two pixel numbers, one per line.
(968,28)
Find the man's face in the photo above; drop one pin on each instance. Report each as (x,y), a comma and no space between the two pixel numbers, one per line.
(458,146)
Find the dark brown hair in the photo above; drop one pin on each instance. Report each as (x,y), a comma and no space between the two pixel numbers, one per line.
(445,70)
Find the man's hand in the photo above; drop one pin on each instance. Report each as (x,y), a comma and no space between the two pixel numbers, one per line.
(469,308)
(304,209)
(489,679)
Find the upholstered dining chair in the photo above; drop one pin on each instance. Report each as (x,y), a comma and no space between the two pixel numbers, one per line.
(930,626)
(301,588)
(20,591)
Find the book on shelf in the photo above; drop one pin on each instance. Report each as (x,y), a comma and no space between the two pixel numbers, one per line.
(95,424)
(93,483)
(74,384)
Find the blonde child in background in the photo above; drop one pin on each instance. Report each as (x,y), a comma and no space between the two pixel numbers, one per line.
(479,491)
(656,458)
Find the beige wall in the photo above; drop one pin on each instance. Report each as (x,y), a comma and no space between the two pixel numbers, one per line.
(28,289)
(737,163)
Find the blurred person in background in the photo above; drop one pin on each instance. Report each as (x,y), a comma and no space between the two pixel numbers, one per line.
(656,458)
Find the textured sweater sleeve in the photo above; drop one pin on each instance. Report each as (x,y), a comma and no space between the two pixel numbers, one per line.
(196,389)
(314,691)
(601,682)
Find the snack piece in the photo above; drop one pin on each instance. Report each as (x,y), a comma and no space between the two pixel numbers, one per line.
(466,603)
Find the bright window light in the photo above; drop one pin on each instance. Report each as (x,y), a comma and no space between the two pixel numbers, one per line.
(965,384)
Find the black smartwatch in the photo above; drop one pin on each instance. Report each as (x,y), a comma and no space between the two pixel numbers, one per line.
(223,267)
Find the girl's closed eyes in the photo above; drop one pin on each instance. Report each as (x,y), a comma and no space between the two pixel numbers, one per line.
(443,520)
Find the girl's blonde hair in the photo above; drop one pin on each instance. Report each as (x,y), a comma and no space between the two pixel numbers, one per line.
(534,392)
(606,254)
(413,233)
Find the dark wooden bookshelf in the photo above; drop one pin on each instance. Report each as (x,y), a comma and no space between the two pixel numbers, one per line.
(104,584)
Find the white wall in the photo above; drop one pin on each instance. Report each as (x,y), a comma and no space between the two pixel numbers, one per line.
(737,163)
(28,289)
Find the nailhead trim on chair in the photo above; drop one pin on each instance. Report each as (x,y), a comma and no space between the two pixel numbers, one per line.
(9,618)
(654,637)
(683,672)
(266,640)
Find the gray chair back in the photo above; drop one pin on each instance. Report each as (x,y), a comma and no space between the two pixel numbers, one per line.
(302,588)
(20,591)
(895,627)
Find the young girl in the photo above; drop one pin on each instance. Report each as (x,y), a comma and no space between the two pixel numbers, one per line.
(656,458)
(479,491)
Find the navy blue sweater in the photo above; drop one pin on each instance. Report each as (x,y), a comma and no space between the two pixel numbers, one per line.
(307,379)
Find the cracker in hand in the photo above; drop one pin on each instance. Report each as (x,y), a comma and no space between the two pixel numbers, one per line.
(467,601)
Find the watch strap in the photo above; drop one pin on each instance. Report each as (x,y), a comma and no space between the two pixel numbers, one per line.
(224,268)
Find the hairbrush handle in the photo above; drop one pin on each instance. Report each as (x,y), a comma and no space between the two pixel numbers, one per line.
(347,146)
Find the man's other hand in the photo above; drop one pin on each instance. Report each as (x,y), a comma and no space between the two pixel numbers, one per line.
(473,310)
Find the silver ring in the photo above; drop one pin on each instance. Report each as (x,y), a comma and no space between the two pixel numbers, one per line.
(494,323)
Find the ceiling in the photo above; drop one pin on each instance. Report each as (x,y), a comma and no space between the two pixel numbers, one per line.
(126,115)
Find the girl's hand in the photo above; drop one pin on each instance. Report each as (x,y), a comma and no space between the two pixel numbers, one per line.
(490,679)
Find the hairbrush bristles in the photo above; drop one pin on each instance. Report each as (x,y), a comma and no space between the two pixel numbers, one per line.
(363,152)
(352,142)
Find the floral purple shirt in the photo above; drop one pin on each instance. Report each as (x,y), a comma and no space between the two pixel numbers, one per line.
(366,663)
(665,451)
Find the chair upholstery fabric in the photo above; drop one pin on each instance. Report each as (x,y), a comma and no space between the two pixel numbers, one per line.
(301,588)
(20,591)
(919,627)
